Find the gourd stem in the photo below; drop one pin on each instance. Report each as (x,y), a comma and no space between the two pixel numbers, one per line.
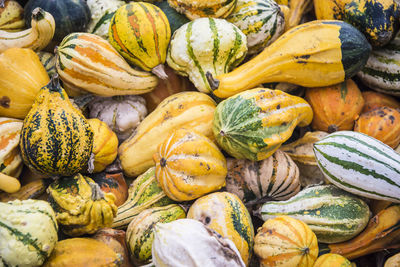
(214,83)
(38,14)
(159,71)
(97,194)
(2,3)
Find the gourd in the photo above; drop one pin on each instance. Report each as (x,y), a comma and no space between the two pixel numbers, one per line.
(284,241)
(331,213)
(393,261)
(21,77)
(297,9)
(190,110)
(332,260)
(190,242)
(69,15)
(121,113)
(335,107)
(112,183)
(48,61)
(260,20)
(189,165)
(140,235)
(87,62)
(226,214)
(82,252)
(105,144)
(140,32)
(175,19)
(253,124)
(276,177)
(382,124)
(10,157)
(28,232)
(36,38)
(206,45)
(197,9)
(377,20)
(360,164)
(375,100)
(80,205)
(11,16)
(56,138)
(30,190)
(144,193)
(301,56)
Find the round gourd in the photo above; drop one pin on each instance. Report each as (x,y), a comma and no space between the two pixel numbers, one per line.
(382,123)
(189,165)
(226,214)
(141,33)
(105,145)
(335,107)
(112,183)
(253,124)
(276,177)
(284,241)
(375,100)
(206,8)
(332,260)
(10,156)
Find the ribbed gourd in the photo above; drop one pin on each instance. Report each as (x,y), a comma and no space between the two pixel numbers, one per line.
(274,178)
(11,16)
(56,138)
(48,61)
(260,20)
(86,62)
(141,33)
(313,54)
(189,165)
(205,8)
(206,45)
(253,124)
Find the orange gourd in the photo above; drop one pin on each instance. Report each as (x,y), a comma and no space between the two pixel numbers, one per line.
(375,100)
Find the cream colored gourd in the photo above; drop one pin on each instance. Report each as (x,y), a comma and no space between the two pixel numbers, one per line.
(10,157)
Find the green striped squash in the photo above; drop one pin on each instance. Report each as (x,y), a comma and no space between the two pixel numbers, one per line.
(206,45)
(332,214)
(143,193)
(48,61)
(360,164)
(382,71)
(260,20)
(28,232)
(140,235)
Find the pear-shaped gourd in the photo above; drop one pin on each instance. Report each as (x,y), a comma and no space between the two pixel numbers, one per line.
(206,45)
(56,138)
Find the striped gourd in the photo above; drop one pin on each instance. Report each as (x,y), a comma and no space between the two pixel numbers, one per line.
(140,235)
(10,157)
(141,34)
(189,110)
(48,61)
(11,16)
(28,232)
(332,214)
(88,62)
(260,20)
(382,71)
(276,177)
(227,215)
(144,193)
(360,164)
(56,138)
(253,124)
(205,8)
(206,45)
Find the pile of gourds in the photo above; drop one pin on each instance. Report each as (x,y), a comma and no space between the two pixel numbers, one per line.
(200,133)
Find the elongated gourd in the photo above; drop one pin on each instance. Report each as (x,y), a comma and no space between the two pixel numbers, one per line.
(314,54)
(36,38)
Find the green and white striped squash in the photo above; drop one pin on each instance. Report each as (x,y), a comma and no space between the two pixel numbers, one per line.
(332,214)
(48,61)
(260,20)
(206,45)
(360,164)
(28,232)
(382,71)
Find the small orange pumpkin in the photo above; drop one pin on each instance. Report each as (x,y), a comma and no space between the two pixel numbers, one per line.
(375,100)
(381,123)
(335,107)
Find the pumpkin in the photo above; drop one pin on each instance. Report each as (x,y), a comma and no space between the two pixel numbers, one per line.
(112,183)
(11,16)
(226,214)
(28,232)
(332,260)
(276,177)
(209,8)
(121,113)
(80,205)
(253,124)
(393,261)
(105,144)
(69,15)
(375,100)
(189,165)
(55,138)
(335,107)
(382,124)
(284,241)
(21,77)
(10,157)
(141,33)
(206,45)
